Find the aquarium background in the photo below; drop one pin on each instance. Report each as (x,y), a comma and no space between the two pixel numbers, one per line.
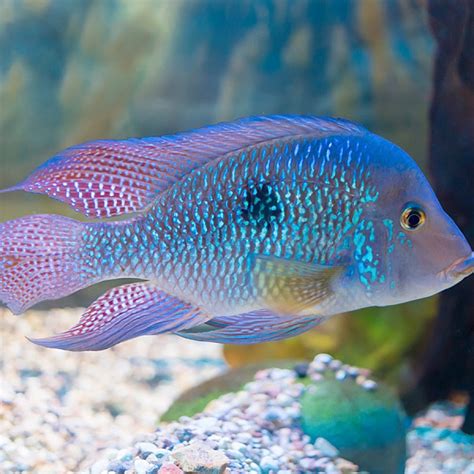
(72,71)
(79,70)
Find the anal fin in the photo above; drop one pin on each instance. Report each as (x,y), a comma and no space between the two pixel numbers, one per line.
(250,328)
(124,313)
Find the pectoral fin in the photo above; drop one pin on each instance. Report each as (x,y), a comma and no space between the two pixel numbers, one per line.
(291,287)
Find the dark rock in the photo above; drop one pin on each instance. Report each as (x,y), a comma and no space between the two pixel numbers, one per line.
(301,369)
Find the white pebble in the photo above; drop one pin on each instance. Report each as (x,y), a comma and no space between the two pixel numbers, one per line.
(369,385)
(324,358)
(141,466)
(147,448)
(326,447)
(341,375)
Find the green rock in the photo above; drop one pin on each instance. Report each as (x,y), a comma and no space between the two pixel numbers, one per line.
(367,427)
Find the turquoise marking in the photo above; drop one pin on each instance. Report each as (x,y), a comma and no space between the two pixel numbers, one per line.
(403,239)
(371,229)
(388,223)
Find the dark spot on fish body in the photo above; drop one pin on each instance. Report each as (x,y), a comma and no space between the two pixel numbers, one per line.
(261,206)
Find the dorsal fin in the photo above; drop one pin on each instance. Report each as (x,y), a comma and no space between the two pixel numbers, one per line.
(105,178)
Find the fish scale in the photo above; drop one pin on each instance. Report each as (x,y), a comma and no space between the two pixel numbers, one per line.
(186,257)
(247,231)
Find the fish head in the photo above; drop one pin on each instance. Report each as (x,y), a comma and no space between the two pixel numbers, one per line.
(423,249)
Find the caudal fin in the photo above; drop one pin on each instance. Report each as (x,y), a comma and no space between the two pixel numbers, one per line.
(40,260)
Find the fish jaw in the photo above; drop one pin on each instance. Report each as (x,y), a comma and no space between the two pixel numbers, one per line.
(459,269)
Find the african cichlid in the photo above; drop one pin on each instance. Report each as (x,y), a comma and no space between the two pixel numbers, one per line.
(248,231)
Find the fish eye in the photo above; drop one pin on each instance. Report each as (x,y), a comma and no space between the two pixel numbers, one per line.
(413,217)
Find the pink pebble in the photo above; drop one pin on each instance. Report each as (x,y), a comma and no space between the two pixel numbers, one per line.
(170,468)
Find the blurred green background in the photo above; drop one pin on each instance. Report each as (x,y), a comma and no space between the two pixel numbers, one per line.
(76,70)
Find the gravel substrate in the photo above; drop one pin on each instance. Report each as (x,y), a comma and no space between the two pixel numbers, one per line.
(256,429)
(59,410)
(437,446)
(83,412)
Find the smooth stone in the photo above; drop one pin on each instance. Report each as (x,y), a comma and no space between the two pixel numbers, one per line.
(317,367)
(341,375)
(124,455)
(235,455)
(146,448)
(141,466)
(324,358)
(326,448)
(369,385)
(301,369)
(151,458)
(307,464)
(277,451)
(353,371)
(99,466)
(275,414)
(238,446)
(119,467)
(367,427)
(255,468)
(207,423)
(267,464)
(162,454)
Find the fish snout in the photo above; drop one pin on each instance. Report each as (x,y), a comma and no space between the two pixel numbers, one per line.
(460,268)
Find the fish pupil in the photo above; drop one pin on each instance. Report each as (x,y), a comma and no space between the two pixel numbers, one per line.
(414,219)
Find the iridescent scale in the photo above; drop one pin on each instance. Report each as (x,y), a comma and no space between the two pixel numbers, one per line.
(246,231)
(296,199)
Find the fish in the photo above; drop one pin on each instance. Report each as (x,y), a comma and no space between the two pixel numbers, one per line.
(242,232)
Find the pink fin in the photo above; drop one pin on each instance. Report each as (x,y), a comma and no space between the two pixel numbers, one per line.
(40,259)
(106,178)
(250,328)
(123,313)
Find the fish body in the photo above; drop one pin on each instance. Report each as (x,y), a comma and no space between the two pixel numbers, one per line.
(249,231)
(201,237)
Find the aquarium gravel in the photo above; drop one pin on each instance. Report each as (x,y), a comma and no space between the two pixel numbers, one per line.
(69,412)
(256,429)
(437,445)
(59,410)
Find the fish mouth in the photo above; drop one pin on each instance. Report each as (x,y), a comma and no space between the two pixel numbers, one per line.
(460,268)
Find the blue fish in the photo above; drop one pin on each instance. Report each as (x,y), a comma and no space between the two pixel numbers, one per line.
(242,232)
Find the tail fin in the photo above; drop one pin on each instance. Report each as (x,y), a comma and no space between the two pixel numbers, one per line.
(40,260)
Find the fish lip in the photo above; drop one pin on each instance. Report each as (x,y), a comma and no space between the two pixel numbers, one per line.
(460,268)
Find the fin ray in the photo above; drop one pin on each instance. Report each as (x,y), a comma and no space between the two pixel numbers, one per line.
(250,328)
(290,286)
(124,313)
(40,259)
(106,178)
